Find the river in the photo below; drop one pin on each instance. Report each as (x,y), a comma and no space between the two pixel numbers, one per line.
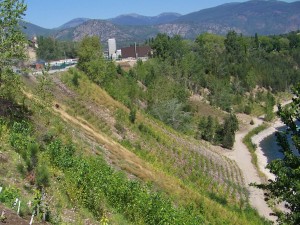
(267,148)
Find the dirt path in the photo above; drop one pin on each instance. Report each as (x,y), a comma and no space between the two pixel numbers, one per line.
(242,156)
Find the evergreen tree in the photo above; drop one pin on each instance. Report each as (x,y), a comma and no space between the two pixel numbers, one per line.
(231,125)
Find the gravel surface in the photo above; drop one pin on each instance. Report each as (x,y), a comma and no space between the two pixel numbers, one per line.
(242,156)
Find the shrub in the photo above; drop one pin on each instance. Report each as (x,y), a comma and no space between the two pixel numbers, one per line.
(248,109)
(8,195)
(75,78)
(42,176)
(120,128)
(132,115)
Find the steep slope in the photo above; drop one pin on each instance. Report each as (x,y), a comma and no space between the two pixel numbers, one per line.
(13,219)
(99,28)
(105,30)
(189,172)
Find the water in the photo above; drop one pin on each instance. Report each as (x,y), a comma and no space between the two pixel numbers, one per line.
(270,147)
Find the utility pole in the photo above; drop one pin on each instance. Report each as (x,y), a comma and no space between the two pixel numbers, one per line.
(135,50)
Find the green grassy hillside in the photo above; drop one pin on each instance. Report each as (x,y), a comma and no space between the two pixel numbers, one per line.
(80,147)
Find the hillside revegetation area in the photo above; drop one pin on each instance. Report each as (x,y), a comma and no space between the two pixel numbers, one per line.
(98,143)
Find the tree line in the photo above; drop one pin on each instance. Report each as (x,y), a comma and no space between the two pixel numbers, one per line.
(51,49)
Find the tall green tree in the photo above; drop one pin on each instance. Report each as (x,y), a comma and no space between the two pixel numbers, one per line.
(161,46)
(286,186)
(234,47)
(231,125)
(12,45)
(211,49)
(91,59)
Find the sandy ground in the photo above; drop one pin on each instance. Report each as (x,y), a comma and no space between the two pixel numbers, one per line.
(267,150)
(242,156)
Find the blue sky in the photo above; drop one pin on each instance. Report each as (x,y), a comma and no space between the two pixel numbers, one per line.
(53,13)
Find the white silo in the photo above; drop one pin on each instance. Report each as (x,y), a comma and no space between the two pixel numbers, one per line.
(112,47)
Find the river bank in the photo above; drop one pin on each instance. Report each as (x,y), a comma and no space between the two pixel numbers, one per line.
(267,149)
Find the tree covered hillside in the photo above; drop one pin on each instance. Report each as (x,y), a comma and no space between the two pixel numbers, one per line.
(236,74)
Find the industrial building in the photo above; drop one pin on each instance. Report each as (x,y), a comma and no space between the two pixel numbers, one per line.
(136,52)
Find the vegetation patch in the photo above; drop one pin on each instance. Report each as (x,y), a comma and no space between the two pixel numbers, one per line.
(247,140)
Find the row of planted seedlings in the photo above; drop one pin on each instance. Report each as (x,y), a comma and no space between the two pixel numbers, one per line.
(175,158)
(188,165)
(32,172)
(90,181)
(211,174)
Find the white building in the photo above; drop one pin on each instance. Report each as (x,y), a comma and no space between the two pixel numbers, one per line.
(112,47)
(119,53)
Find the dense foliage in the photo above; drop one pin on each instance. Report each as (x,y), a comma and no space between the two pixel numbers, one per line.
(286,186)
(90,182)
(91,58)
(12,45)
(52,49)
(234,73)
(211,130)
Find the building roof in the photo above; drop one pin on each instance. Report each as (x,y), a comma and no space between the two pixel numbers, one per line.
(130,52)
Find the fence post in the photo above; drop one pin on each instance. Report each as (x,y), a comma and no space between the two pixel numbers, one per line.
(19,208)
(31,220)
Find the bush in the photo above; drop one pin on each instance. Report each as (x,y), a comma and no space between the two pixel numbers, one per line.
(42,176)
(120,128)
(248,109)
(132,115)
(8,195)
(75,78)
(21,169)
(90,182)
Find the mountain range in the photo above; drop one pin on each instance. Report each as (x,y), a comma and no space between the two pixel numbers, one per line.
(265,17)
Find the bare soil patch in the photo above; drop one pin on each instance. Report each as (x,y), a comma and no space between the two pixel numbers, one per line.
(13,219)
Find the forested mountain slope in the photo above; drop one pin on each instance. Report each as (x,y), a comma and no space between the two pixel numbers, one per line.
(257,16)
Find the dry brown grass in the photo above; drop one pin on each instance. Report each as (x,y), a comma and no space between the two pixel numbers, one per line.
(202,108)
(126,66)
